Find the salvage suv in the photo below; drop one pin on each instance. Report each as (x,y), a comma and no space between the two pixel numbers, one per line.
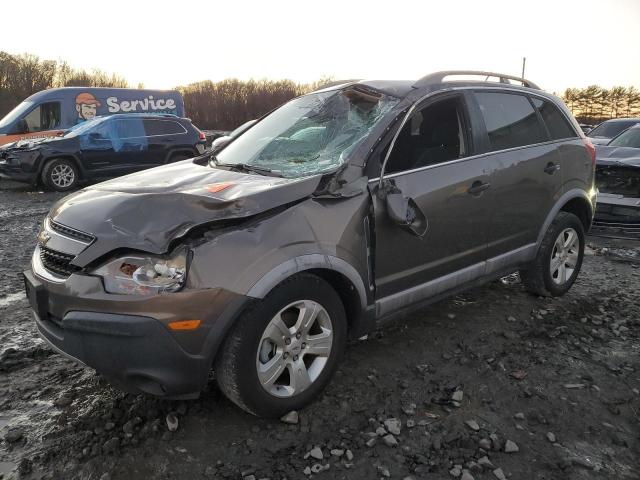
(341,209)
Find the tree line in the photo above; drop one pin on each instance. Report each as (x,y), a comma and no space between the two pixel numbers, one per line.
(226,104)
(595,104)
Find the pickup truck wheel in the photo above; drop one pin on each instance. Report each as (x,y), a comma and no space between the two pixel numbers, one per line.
(284,350)
(559,258)
(60,174)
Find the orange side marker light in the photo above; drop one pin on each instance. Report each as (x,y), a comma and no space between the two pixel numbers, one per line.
(185,324)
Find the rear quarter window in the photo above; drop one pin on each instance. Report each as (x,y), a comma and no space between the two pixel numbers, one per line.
(556,122)
(510,120)
(162,127)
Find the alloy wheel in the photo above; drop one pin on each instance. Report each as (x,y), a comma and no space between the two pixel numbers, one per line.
(294,348)
(564,257)
(62,176)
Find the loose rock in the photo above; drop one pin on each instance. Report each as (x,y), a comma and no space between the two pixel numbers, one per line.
(473,425)
(316,453)
(291,418)
(511,447)
(390,440)
(393,425)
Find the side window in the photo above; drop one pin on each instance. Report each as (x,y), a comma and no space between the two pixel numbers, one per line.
(154,127)
(45,116)
(510,120)
(433,135)
(98,137)
(129,135)
(556,122)
(129,128)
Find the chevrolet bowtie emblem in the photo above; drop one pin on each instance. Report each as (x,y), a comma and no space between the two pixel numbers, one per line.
(43,237)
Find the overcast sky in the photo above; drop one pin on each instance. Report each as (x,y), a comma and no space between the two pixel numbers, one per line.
(163,44)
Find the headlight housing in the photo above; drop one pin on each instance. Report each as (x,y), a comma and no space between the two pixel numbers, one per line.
(145,274)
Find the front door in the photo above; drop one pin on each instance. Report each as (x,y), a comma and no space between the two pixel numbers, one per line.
(447,194)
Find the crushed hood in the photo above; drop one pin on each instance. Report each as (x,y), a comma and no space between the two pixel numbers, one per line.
(610,155)
(147,210)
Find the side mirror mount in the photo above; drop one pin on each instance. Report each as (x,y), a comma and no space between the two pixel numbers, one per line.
(404,211)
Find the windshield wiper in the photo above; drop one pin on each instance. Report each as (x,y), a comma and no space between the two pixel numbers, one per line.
(244,167)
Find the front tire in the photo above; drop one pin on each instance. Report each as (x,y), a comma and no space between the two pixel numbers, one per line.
(60,174)
(559,258)
(284,350)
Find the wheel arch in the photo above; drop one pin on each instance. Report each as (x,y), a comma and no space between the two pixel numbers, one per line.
(574,201)
(341,275)
(63,156)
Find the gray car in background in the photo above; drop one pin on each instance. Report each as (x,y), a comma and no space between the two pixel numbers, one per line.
(338,211)
(603,133)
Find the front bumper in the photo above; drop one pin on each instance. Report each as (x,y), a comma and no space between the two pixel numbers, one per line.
(617,216)
(127,340)
(15,172)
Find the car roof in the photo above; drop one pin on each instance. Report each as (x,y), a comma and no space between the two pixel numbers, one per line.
(439,81)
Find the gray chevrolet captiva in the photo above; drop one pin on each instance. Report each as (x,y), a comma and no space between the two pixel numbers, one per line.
(337,211)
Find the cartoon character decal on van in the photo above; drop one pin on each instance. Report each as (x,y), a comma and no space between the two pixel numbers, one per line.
(86,106)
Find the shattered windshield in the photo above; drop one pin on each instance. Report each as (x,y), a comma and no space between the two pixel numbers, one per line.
(310,134)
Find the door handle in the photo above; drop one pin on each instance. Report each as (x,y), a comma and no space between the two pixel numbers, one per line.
(551,168)
(478,187)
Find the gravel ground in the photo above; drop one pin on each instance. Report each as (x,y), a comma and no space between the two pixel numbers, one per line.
(491,384)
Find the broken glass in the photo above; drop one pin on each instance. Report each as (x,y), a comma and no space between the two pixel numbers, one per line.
(311,134)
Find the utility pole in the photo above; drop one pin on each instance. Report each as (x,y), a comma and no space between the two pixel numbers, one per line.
(524,61)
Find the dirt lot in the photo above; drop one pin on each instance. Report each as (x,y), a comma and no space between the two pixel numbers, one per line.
(468,380)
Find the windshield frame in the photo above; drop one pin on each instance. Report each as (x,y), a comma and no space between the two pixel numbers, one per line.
(376,117)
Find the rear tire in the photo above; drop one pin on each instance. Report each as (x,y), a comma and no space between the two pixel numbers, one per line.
(559,258)
(60,174)
(306,320)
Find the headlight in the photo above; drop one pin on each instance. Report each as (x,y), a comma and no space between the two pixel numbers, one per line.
(144,275)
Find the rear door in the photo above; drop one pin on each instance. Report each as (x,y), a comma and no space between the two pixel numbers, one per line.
(164,136)
(528,178)
(432,166)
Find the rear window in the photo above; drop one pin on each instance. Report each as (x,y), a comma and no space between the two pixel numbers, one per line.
(510,120)
(556,122)
(162,127)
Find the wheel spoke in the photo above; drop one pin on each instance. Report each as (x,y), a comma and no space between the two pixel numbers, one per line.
(269,372)
(562,273)
(276,331)
(555,264)
(571,236)
(319,345)
(300,379)
(306,317)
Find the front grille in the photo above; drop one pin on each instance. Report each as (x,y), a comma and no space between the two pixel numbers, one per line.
(57,262)
(71,232)
(620,180)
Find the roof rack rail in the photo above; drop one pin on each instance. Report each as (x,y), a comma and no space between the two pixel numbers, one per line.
(438,77)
